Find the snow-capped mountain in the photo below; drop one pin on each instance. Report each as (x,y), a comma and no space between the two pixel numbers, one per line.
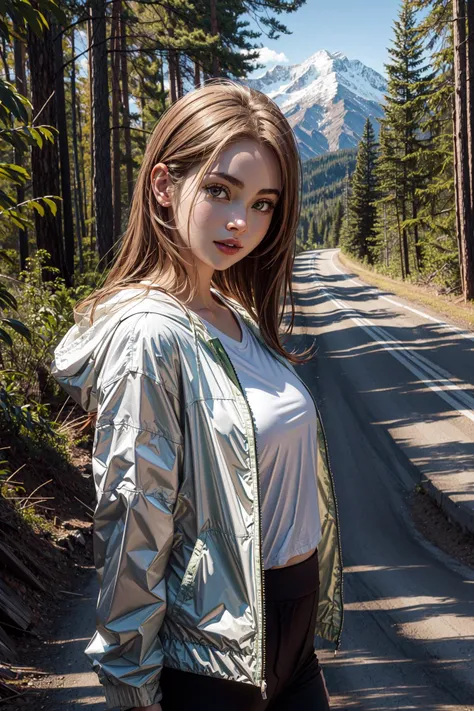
(326,99)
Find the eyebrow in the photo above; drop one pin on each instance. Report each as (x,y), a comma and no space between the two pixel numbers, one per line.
(239,184)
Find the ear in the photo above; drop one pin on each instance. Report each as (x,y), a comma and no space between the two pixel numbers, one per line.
(161,184)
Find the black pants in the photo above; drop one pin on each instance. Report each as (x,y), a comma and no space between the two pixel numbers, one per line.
(293,674)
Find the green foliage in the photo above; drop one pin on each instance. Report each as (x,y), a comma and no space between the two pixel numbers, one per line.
(413,233)
(405,144)
(437,211)
(15,107)
(17,129)
(359,233)
(32,312)
(17,418)
(45,309)
(23,503)
(9,302)
(34,519)
(325,184)
(17,15)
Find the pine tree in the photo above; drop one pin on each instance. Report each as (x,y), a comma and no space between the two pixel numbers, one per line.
(438,206)
(337,227)
(361,233)
(387,246)
(462,134)
(311,244)
(409,86)
(324,179)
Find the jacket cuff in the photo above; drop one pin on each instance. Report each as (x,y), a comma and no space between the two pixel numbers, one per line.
(123,696)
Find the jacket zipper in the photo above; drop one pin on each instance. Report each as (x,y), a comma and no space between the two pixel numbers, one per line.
(282,360)
(338,640)
(263,683)
(331,477)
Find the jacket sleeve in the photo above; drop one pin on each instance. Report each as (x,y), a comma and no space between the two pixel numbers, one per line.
(137,460)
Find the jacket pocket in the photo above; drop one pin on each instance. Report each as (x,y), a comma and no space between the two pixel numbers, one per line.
(185,591)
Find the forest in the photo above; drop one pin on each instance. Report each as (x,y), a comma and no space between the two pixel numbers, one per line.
(82,86)
(407,207)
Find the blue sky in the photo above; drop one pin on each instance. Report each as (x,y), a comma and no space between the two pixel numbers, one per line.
(361,29)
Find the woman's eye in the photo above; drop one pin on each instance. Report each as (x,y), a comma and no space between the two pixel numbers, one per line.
(222,189)
(270,205)
(218,188)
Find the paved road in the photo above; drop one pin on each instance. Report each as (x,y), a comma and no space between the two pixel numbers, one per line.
(424,362)
(71,684)
(409,627)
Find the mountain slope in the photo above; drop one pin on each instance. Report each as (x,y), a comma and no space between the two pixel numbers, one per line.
(326,100)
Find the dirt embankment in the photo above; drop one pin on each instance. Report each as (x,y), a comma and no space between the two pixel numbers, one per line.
(46,506)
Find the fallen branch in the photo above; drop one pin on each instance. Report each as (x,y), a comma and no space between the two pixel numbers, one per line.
(9,559)
(15,694)
(67,592)
(87,507)
(34,492)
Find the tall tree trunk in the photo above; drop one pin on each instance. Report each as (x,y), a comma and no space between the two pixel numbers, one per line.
(179,80)
(83,183)
(214,31)
(162,74)
(142,107)
(65,173)
(197,75)
(100,118)
(127,139)
(20,83)
(470,99)
(404,191)
(115,75)
(80,229)
(3,53)
(418,251)
(400,239)
(462,153)
(456,193)
(93,231)
(172,74)
(77,223)
(406,256)
(45,160)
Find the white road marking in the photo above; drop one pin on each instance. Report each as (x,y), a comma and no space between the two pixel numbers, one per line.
(462,332)
(436,379)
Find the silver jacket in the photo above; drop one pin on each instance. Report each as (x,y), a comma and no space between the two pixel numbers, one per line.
(177,526)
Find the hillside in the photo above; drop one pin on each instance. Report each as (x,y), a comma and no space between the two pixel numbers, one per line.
(326,99)
(324,186)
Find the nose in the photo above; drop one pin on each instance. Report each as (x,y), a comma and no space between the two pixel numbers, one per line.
(238,223)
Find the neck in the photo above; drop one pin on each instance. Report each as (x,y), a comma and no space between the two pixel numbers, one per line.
(203,300)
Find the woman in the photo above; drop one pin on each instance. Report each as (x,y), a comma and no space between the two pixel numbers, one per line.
(216,533)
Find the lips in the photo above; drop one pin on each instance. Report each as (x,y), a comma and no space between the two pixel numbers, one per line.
(229,244)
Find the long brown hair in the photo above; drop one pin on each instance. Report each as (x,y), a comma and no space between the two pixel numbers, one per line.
(194,130)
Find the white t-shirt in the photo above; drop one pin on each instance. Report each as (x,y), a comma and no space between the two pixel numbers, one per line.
(286,423)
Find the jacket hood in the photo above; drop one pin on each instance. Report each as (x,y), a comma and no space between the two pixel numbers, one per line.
(78,356)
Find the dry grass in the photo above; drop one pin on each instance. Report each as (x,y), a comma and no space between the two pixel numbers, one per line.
(451,307)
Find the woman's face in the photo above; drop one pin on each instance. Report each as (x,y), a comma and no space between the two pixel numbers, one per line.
(238,206)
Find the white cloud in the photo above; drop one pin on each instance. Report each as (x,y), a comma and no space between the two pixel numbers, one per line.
(269,57)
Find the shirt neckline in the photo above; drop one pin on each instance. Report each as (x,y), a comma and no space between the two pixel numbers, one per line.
(223,336)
